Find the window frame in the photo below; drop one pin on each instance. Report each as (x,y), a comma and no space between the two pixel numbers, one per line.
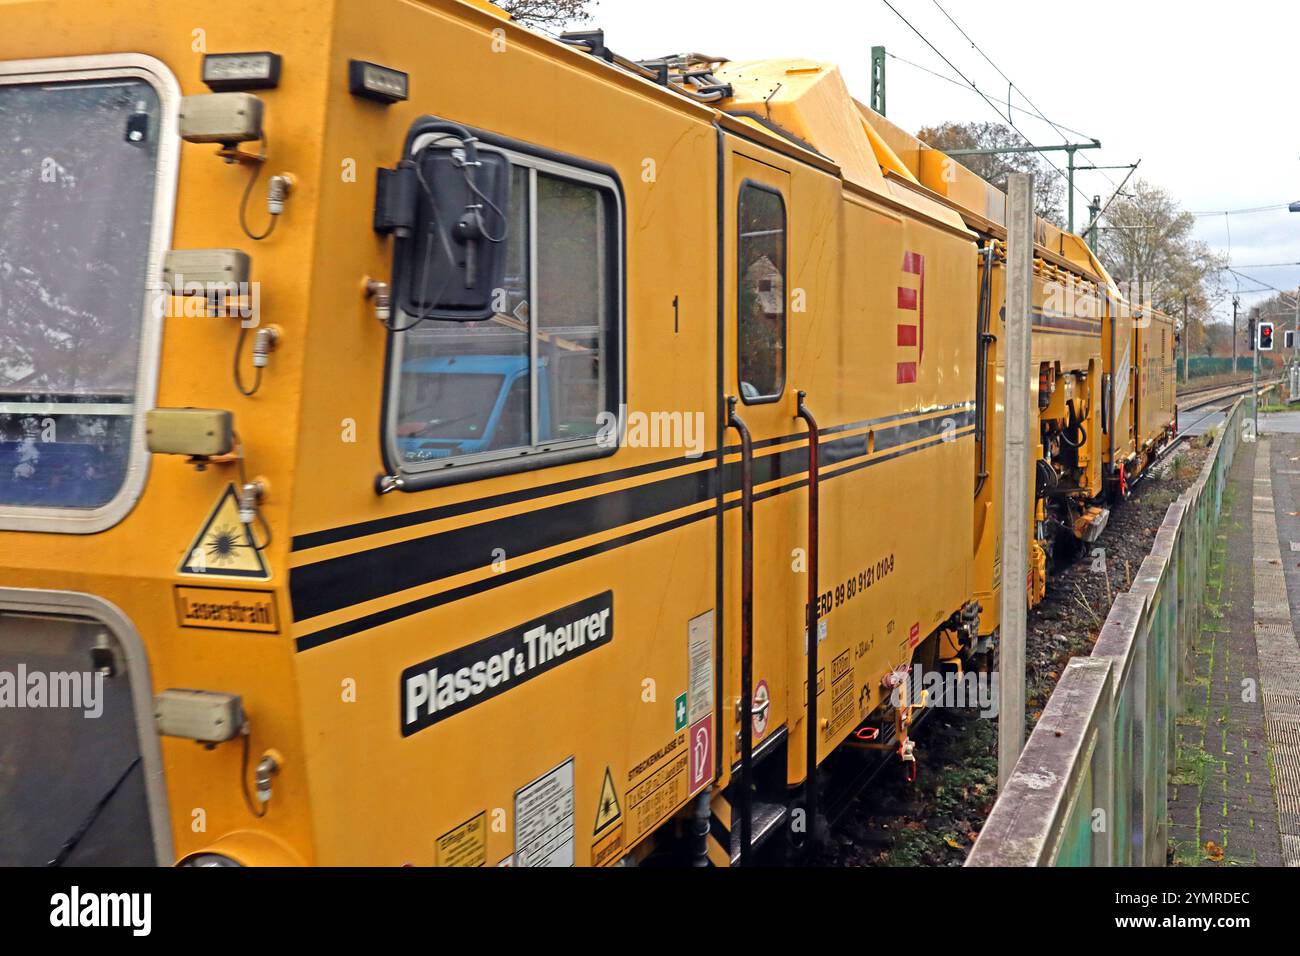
(101,67)
(418,476)
(81,606)
(785,292)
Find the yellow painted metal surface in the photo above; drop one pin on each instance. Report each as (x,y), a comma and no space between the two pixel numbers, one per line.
(882,294)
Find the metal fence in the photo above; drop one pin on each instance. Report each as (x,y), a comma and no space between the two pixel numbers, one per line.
(1091,785)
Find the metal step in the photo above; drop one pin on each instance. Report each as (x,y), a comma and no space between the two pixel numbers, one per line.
(767,820)
(773,743)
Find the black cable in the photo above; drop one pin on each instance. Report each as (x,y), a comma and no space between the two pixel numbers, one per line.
(427,191)
(1083,437)
(79,834)
(248,190)
(243,480)
(266,530)
(435,218)
(505,223)
(239,381)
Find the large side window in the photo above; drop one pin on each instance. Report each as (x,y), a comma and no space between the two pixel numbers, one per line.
(534,381)
(760,309)
(83,205)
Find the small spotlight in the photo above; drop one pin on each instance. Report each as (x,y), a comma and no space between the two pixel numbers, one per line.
(1295,206)
(223,72)
(374,82)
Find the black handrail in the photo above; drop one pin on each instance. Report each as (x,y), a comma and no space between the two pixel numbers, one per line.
(745,707)
(812,618)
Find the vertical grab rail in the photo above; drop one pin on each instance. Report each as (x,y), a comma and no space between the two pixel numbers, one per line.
(812,620)
(745,704)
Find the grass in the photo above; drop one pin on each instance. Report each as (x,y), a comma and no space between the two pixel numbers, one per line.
(1193,766)
(951,788)
(1207,439)
(1193,763)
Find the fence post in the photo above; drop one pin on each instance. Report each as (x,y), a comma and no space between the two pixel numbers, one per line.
(1016,462)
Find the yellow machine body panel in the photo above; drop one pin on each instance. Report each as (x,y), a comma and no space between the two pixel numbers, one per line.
(1156,350)
(468,589)
(512,669)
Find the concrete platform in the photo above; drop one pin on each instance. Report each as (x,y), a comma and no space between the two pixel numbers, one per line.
(1279,423)
(1235,793)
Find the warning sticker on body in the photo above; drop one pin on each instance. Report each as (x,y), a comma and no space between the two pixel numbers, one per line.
(607,842)
(544,834)
(657,786)
(465,845)
(699,687)
(607,808)
(225,546)
(843,695)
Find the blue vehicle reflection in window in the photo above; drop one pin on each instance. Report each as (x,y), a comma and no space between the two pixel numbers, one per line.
(466,404)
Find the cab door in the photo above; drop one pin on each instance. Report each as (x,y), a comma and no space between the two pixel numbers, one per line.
(760,400)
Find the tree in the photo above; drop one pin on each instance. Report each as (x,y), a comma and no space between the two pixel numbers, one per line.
(1147,246)
(547,13)
(1049,186)
(1212,338)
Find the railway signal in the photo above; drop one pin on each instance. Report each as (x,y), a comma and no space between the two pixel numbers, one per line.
(1266,336)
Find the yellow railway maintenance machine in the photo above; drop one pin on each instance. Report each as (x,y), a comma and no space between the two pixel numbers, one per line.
(425,441)
(1103,387)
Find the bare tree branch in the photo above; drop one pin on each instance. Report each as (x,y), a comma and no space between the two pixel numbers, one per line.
(1147,241)
(1049,190)
(548,13)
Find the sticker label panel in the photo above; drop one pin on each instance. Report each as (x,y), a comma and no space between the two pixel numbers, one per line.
(226,609)
(699,648)
(465,845)
(656,787)
(544,832)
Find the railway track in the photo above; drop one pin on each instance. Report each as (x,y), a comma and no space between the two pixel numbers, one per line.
(1201,398)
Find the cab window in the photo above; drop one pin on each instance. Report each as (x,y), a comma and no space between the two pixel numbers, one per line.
(82,197)
(531,384)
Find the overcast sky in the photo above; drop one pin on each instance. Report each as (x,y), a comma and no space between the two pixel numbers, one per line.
(1204,93)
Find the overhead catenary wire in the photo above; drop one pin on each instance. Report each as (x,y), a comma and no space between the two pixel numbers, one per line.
(952,66)
(1267,286)
(1268,265)
(974,89)
(1010,83)
(1240,212)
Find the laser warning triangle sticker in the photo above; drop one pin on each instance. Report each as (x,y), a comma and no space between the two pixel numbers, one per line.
(224,546)
(607,810)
